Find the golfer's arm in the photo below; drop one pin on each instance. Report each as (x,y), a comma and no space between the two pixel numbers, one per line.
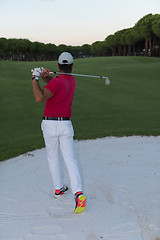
(39,94)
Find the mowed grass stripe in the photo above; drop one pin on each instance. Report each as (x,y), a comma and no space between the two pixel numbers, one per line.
(129,106)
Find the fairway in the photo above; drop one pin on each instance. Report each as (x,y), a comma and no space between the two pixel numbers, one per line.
(129,106)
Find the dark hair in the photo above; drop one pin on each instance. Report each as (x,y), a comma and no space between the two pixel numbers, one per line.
(67,68)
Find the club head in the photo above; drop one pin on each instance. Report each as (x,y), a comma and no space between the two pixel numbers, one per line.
(107,82)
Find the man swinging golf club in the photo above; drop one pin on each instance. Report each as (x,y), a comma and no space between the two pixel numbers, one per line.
(57,127)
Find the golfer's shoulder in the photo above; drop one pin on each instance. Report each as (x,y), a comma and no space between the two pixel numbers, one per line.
(54,80)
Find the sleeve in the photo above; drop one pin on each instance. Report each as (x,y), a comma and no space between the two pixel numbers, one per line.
(52,86)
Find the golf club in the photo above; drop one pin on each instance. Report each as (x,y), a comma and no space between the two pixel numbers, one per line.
(107,81)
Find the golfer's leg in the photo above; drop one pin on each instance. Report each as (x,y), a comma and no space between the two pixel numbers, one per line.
(52,147)
(66,145)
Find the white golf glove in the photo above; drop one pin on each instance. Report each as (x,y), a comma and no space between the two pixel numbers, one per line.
(37,72)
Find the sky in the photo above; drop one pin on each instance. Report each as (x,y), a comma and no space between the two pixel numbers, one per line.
(70,22)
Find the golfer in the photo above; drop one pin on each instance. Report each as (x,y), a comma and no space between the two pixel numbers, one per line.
(57,127)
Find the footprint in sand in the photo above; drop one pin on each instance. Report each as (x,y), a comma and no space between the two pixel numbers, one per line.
(108,192)
(7,207)
(91,236)
(60,213)
(50,232)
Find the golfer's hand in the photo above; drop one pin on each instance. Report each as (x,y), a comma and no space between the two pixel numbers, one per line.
(37,71)
(46,75)
(45,72)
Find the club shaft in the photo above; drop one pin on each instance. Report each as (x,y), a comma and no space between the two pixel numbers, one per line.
(81,75)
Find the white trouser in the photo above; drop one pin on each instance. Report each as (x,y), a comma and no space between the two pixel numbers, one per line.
(60,134)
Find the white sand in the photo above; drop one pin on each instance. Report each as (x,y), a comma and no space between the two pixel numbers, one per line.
(121,179)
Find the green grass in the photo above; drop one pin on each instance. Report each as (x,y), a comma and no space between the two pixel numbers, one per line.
(129,106)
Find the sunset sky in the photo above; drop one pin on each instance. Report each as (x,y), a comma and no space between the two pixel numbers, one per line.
(70,22)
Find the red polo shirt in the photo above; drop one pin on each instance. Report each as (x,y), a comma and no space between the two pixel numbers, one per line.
(63,88)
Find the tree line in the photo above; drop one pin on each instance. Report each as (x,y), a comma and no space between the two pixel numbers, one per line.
(25,50)
(142,39)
